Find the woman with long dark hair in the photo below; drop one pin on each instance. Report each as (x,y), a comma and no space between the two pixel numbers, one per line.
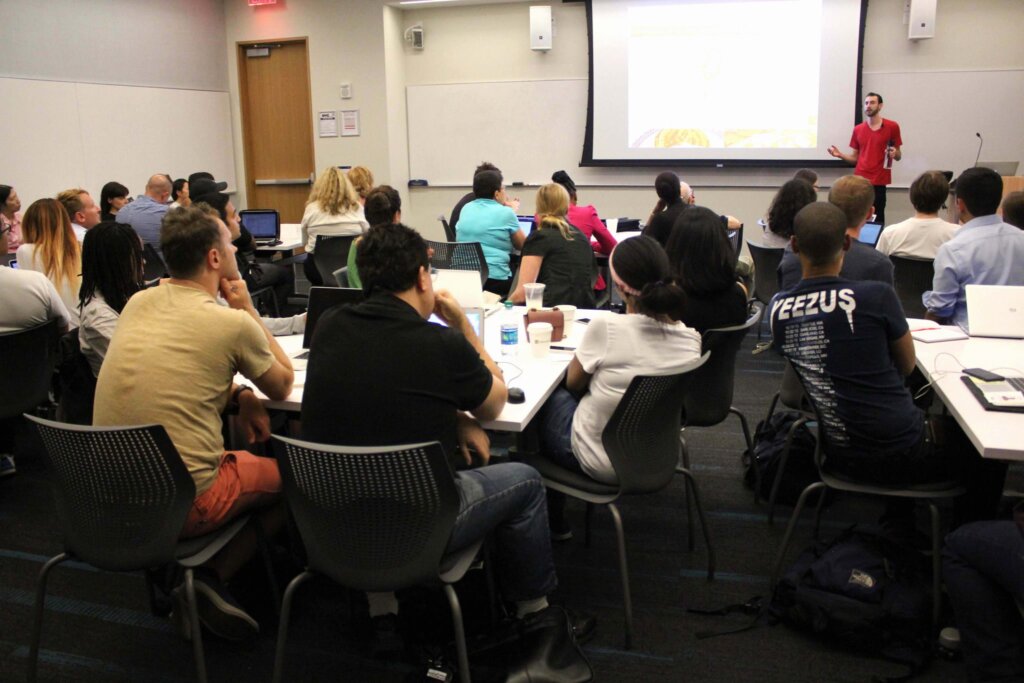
(703,263)
(383,207)
(113,198)
(111,273)
(794,195)
(648,340)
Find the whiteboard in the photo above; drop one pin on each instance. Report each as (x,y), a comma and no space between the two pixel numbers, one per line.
(63,134)
(530,129)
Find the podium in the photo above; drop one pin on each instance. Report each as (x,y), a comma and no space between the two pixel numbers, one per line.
(1011,183)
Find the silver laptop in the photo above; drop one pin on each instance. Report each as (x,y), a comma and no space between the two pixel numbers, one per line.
(995,311)
(1003,168)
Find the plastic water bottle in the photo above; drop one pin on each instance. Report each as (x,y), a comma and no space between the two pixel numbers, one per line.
(509,330)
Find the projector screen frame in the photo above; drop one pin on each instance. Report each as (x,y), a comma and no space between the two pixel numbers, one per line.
(588,139)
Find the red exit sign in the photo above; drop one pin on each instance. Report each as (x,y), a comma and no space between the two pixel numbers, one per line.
(257,3)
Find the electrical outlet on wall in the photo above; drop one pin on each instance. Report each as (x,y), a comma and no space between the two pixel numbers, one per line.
(346,91)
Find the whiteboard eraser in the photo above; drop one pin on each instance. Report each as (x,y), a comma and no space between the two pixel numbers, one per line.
(418,182)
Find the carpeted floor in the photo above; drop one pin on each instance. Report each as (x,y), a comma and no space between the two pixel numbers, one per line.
(98,626)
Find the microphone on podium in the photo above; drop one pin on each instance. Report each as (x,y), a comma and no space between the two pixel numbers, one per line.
(981,143)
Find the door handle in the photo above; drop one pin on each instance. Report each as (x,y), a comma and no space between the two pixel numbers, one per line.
(284,181)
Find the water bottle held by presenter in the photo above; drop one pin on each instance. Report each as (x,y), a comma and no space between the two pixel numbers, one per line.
(889,154)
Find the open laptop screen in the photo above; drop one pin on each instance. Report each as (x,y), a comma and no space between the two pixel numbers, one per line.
(870,233)
(263,224)
(525,224)
(323,298)
(475,317)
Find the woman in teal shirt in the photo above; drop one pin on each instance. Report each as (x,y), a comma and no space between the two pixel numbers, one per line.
(488,221)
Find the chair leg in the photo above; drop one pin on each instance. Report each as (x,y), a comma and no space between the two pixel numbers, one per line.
(627,598)
(460,634)
(688,503)
(37,614)
(817,514)
(780,472)
(691,484)
(195,629)
(268,565)
(781,555)
(746,428)
(282,630)
(936,567)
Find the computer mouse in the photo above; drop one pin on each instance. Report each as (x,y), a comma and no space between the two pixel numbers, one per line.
(516,395)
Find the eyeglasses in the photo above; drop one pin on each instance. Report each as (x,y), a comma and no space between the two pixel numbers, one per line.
(4,231)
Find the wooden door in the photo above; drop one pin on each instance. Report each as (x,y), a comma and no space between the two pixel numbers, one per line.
(277,125)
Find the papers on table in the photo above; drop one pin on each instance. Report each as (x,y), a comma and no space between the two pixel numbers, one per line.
(931,331)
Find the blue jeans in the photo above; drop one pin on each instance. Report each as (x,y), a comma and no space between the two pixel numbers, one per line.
(507,500)
(555,432)
(983,566)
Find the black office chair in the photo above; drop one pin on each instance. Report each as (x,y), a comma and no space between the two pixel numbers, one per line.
(912,277)
(374,519)
(642,442)
(713,403)
(766,273)
(331,253)
(927,492)
(736,240)
(153,266)
(449,230)
(122,495)
(459,256)
(29,359)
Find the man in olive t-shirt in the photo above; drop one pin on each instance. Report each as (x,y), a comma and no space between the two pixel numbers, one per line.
(172,361)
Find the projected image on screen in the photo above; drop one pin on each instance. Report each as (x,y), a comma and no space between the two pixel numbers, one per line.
(722,55)
(722,81)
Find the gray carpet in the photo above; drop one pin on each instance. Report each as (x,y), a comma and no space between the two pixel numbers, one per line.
(98,626)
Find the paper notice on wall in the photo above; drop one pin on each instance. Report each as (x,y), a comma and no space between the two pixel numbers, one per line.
(328,124)
(349,122)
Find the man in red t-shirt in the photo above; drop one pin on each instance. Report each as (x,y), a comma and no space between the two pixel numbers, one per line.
(873,144)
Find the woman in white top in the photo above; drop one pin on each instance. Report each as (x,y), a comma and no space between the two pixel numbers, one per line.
(333,209)
(51,248)
(111,273)
(648,340)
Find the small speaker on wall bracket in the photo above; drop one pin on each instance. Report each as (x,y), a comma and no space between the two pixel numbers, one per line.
(922,19)
(541,27)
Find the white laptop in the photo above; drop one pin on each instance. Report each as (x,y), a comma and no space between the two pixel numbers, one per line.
(995,311)
(465,286)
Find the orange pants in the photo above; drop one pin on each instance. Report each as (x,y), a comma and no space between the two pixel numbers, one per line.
(244,481)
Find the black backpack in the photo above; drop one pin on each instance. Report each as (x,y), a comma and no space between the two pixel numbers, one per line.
(862,591)
(769,441)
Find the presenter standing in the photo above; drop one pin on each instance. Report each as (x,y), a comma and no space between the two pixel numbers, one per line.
(875,144)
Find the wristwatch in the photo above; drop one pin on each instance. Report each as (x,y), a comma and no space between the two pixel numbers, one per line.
(238,392)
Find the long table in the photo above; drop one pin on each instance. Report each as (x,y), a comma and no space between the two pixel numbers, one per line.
(997,435)
(537,377)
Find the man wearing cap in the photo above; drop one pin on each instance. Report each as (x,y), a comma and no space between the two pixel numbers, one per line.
(145,213)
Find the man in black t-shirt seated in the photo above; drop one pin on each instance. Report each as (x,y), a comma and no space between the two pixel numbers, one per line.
(850,344)
(380,374)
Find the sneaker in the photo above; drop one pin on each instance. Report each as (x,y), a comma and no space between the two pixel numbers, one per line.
(583,625)
(220,612)
(7,467)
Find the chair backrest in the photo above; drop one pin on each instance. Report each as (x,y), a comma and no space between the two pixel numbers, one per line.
(122,493)
(372,519)
(341,277)
(642,436)
(332,253)
(715,378)
(766,270)
(154,267)
(736,240)
(449,231)
(29,357)
(459,256)
(912,277)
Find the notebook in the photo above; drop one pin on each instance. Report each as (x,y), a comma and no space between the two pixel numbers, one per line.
(263,224)
(869,233)
(995,311)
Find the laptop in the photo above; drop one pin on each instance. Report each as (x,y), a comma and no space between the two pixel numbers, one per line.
(869,233)
(1003,168)
(321,299)
(526,224)
(465,286)
(264,225)
(995,311)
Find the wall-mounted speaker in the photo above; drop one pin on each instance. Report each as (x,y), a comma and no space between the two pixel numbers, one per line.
(922,19)
(540,27)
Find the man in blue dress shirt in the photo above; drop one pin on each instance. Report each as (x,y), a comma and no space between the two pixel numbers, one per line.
(147,212)
(984,251)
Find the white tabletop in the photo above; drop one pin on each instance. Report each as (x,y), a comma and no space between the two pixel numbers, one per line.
(537,377)
(998,435)
(291,239)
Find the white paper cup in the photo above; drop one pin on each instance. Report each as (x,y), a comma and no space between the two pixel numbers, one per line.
(568,312)
(540,338)
(534,296)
